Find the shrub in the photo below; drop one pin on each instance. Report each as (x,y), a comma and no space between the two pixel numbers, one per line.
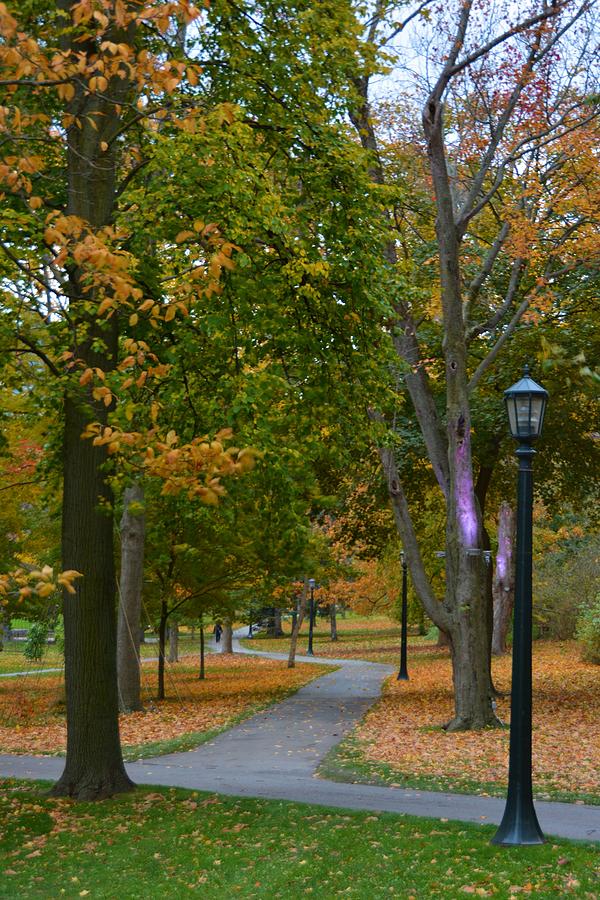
(36,641)
(588,631)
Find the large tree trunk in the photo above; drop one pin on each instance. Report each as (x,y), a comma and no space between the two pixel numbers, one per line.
(174,643)
(297,626)
(94,766)
(504,579)
(130,598)
(227,637)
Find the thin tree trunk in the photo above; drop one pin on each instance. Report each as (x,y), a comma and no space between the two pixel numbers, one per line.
(333,620)
(227,637)
(202,674)
(133,525)
(296,630)
(278,630)
(504,579)
(162,640)
(173,643)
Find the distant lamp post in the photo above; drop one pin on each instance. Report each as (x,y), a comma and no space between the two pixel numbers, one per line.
(526,405)
(311,622)
(403,673)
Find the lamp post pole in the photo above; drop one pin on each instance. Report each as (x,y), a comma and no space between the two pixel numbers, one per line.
(403,673)
(311,584)
(519,823)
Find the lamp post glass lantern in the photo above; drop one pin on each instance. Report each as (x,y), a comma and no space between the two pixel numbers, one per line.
(403,673)
(526,405)
(311,585)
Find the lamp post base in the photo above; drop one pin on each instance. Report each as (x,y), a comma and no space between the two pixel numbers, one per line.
(519,828)
(402,676)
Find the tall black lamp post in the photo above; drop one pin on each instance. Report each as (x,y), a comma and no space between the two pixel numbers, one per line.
(526,405)
(311,585)
(403,673)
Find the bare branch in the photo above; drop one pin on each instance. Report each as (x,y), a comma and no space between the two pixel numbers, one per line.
(33,348)
(549,13)
(489,359)
(515,279)
(23,268)
(478,282)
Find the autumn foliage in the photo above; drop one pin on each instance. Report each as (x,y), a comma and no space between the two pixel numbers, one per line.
(400,729)
(32,717)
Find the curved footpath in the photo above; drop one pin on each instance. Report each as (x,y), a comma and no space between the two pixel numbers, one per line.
(275,754)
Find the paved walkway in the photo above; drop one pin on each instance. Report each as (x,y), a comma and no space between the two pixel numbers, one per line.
(275,754)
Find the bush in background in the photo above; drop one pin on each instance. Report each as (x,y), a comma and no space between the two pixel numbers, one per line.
(588,631)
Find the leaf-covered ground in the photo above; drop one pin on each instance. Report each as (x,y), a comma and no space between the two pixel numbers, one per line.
(32,713)
(400,729)
(376,639)
(174,843)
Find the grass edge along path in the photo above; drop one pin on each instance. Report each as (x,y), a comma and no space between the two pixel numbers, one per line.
(231,847)
(135,752)
(191,740)
(347,763)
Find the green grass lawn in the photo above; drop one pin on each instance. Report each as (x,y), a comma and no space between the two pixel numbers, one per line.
(13,660)
(173,843)
(374,638)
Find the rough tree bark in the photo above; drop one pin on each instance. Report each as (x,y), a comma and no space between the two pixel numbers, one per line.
(94,765)
(504,578)
(133,526)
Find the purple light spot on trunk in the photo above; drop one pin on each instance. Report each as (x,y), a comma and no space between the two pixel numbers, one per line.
(465,497)
(503,555)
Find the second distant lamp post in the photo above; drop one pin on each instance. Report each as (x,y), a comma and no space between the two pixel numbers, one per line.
(311,618)
(403,673)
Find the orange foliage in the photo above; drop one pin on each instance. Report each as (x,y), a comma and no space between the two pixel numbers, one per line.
(31,720)
(566,725)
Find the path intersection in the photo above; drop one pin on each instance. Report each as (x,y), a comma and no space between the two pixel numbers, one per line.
(275,755)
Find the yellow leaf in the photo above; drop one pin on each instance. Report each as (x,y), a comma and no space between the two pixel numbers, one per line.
(170,313)
(133,319)
(106,304)
(183,236)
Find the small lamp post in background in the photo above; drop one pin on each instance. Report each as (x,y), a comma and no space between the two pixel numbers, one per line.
(403,673)
(311,618)
(526,405)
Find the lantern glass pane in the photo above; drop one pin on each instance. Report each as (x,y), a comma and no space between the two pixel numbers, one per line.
(523,409)
(512,416)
